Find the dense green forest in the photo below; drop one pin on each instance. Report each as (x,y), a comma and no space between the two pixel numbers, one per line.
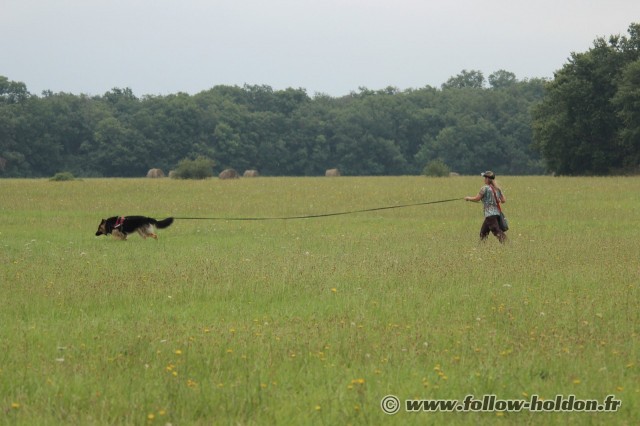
(584,121)
(468,126)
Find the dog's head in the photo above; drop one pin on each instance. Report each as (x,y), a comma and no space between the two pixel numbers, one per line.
(102,228)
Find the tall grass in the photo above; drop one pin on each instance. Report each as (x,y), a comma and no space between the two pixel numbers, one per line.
(313,321)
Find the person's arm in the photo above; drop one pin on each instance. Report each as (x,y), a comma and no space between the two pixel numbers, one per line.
(474,199)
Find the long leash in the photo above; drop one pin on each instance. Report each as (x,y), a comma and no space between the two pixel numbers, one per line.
(319,215)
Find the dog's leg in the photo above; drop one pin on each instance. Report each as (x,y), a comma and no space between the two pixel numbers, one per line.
(119,235)
(150,230)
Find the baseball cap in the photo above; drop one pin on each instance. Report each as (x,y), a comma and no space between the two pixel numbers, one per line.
(489,174)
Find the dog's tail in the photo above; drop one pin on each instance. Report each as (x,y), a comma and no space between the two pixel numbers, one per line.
(164,223)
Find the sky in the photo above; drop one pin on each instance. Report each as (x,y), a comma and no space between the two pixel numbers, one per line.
(331,47)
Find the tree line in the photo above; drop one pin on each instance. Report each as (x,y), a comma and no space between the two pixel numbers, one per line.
(584,121)
(278,132)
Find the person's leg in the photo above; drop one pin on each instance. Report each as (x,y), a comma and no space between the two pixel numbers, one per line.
(494,226)
(484,230)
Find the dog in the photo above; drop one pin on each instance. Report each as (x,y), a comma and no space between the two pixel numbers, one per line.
(121,226)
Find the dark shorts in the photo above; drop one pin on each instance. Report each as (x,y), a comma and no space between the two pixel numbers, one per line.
(490,224)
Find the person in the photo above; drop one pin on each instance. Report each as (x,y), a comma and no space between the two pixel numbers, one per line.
(490,194)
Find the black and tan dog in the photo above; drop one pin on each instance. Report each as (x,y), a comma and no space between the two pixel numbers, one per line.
(121,226)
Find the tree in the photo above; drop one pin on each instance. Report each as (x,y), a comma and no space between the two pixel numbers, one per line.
(502,79)
(13,119)
(627,101)
(120,150)
(464,80)
(199,168)
(578,126)
(436,168)
(12,92)
(467,146)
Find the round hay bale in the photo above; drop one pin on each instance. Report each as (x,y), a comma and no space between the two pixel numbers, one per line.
(228,174)
(155,173)
(454,174)
(332,172)
(251,173)
(172,174)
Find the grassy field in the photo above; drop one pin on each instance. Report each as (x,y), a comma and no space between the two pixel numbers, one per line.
(314,321)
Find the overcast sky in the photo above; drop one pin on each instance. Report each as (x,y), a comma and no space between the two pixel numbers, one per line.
(158,47)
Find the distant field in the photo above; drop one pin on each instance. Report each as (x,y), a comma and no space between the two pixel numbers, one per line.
(314,321)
